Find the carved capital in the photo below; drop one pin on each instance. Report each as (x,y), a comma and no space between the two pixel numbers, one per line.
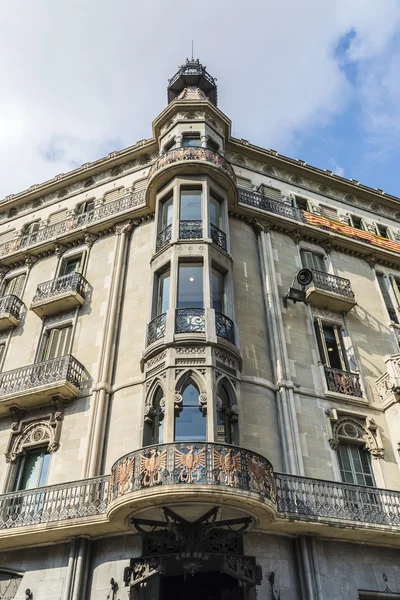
(30,260)
(60,407)
(123,228)
(327,246)
(90,239)
(59,250)
(370,259)
(334,444)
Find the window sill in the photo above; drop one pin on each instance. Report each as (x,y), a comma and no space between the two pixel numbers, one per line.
(346,398)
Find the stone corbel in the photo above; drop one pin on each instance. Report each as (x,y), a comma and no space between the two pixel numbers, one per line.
(123,228)
(59,250)
(377,451)
(30,260)
(370,259)
(59,406)
(327,246)
(3,272)
(17,414)
(90,239)
(296,236)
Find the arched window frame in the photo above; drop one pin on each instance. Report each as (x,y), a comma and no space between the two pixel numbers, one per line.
(229,409)
(190,378)
(154,414)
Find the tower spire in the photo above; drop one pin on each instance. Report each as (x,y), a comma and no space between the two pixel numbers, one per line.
(192,74)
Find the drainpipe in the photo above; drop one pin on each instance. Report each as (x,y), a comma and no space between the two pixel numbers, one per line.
(287,418)
(101,390)
(80,569)
(70,571)
(309,575)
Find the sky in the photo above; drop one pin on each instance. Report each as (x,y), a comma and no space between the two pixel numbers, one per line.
(317,80)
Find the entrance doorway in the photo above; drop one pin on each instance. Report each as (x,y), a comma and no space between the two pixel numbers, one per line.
(202,586)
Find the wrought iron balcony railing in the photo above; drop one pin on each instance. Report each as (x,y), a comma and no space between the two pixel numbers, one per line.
(190,320)
(192,463)
(64,368)
(218,237)
(156,328)
(332,283)
(100,213)
(190,230)
(84,498)
(224,327)
(183,154)
(10,305)
(163,238)
(73,282)
(313,499)
(343,382)
(257,200)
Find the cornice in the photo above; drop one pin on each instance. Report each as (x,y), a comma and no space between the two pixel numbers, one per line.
(296,172)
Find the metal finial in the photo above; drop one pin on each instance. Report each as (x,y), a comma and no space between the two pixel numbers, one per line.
(192,51)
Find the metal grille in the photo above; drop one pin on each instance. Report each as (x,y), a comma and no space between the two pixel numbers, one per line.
(190,230)
(273,206)
(192,463)
(64,368)
(11,305)
(218,237)
(156,328)
(224,327)
(332,283)
(74,222)
(163,238)
(73,282)
(316,498)
(343,382)
(192,153)
(54,503)
(190,320)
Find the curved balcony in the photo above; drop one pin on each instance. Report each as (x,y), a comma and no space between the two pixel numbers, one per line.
(35,384)
(224,327)
(192,161)
(59,295)
(218,237)
(190,320)
(156,328)
(330,292)
(10,309)
(178,471)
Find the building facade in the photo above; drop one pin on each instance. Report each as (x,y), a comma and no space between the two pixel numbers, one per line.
(200,374)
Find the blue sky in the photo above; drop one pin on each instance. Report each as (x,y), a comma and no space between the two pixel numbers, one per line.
(316,80)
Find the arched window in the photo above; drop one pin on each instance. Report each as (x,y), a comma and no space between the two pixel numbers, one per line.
(154,418)
(227,418)
(190,421)
(157,428)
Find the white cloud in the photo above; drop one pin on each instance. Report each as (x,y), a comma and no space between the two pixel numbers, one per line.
(83,78)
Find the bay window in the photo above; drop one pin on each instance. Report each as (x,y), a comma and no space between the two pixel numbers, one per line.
(190,421)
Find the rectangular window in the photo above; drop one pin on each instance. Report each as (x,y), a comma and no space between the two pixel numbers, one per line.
(330,345)
(71,265)
(163,290)
(190,140)
(190,285)
(85,207)
(32,469)
(190,204)
(31,228)
(386,297)
(14,285)
(355,465)
(356,222)
(313,260)
(382,230)
(57,342)
(217,291)
(165,217)
(216,210)
(301,203)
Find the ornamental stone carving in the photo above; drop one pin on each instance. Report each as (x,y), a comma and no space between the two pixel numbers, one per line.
(354,429)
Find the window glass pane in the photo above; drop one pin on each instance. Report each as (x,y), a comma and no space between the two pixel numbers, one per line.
(190,423)
(30,470)
(217,291)
(215,212)
(70,265)
(190,285)
(224,426)
(332,347)
(191,140)
(163,292)
(44,469)
(190,205)
(166,213)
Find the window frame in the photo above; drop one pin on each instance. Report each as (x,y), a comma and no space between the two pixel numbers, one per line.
(319,324)
(360,448)
(21,288)
(191,136)
(47,340)
(43,452)
(314,254)
(158,275)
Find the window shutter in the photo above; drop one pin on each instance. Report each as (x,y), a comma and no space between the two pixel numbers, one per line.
(344,464)
(270,192)
(15,285)
(366,467)
(65,339)
(307,259)
(329,213)
(2,350)
(139,186)
(7,236)
(384,290)
(395,285)
(114,195)
(57,217)
(243,183)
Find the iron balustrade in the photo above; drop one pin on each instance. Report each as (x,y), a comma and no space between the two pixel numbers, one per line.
(185,153)
(156,328)
(282,209)
(218,237)
(64,368)
(73,222)
(190,230)
(11,305)
(84,498)
(163,238)
(314,499)
(190,320)
(224,327)
(73,282)
(192,463)
(190,68)
(332,283)
(343,382)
